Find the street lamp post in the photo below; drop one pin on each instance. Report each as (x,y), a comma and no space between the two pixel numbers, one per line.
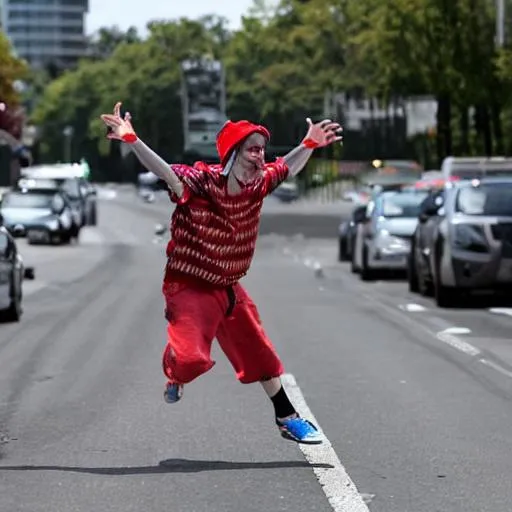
(500,23)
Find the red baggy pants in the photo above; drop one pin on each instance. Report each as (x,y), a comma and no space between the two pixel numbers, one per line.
(197,315)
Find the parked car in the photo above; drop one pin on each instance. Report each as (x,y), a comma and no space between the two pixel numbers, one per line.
(464,240)
(12,274)
(82,197)
(70,177)
(347,233)
(382,241)
(419,275)
(25,185)
(42,215)
(360,195)
(288,190)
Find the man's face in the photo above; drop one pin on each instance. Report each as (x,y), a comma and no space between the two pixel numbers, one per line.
(252,152)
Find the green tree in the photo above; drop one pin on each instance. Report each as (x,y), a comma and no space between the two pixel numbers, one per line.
(276,68)
(12,69)
(435,47)
(103,43)
(145,76)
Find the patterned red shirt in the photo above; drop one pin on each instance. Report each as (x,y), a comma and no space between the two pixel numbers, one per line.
(213,234)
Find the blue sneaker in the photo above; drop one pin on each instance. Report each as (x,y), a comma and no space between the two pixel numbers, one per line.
(173,392)
(300,430)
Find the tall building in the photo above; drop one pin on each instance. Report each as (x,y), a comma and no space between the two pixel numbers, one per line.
(46,31)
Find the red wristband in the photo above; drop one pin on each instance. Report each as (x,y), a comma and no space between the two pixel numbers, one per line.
(130,138)
(310,143)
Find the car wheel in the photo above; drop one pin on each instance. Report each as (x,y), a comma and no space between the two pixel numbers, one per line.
(342,250)
(412,273)
(14,311)
(367,274)
(353,266)
(93,217)
(445,296)
(74,233)
(424,286)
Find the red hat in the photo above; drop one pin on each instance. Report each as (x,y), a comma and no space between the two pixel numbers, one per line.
(232,134)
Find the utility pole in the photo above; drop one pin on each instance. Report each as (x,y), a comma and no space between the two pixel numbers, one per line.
(68,133)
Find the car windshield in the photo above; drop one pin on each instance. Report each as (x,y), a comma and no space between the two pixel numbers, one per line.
(402,204)
(30,200)
(486,199)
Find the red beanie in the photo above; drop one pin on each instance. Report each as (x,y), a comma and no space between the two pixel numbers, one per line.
(232,134)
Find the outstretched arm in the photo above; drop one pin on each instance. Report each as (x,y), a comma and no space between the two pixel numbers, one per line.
(122,129)
(157,165)
(319,135)
(297,159)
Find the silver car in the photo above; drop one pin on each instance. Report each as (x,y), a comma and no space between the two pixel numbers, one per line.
(43,216)
(383,240)
(467,240)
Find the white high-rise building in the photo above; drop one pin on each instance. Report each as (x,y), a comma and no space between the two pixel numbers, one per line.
(46,31)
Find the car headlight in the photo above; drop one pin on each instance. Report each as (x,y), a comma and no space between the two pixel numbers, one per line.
(52,224)
(391,243)
(469,237)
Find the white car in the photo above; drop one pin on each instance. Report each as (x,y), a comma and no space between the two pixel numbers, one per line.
(383,239)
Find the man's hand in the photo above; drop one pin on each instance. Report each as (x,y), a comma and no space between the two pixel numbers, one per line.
(322,134)
(119,128)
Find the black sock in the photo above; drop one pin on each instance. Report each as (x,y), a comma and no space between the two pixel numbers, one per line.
(282,404)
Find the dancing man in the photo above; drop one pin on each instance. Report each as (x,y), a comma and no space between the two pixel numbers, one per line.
(214,228)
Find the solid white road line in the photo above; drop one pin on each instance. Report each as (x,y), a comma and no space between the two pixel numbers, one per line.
(336,484)
(496,367)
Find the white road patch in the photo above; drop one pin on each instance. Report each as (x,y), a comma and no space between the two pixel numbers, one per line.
(457,330)
(91,236)
(457,343)
(340,490)
(501,311)
(412,308)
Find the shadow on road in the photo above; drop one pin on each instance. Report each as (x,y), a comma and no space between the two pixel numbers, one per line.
(172,466)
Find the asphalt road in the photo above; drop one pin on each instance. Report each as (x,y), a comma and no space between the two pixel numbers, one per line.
(418,422)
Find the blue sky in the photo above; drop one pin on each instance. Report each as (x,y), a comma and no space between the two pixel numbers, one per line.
(125,13)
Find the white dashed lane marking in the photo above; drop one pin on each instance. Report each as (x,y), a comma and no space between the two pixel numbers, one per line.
(450,339)
(412,308)
(444,331)
(501,311)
